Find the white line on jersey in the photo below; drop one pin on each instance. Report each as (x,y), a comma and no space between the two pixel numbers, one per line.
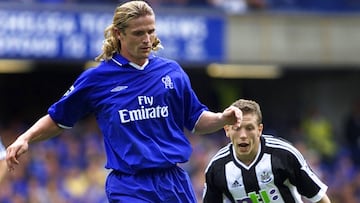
(118,88)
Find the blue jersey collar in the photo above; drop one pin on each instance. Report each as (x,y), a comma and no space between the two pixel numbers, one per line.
(122,61)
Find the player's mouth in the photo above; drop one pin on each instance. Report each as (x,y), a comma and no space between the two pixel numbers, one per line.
(145,48)
(243,146)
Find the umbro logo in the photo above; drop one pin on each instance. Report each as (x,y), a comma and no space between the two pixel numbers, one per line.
(118,88)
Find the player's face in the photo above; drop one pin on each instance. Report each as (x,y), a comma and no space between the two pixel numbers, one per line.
(137,39)
(246,138)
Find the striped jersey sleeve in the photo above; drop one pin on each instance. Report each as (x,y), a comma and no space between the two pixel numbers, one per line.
(300,174)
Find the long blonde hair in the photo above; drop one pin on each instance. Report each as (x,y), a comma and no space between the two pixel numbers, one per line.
(122,15)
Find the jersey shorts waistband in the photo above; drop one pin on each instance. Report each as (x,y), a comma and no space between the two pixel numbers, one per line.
(156,185)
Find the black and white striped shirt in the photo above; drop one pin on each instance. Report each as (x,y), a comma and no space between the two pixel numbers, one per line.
(279,174)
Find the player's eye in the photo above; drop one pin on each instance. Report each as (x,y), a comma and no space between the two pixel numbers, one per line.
(235,128)
(249,128)
(138,33)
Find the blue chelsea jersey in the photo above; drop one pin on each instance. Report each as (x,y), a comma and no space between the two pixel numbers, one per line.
(141,113)
(2,151)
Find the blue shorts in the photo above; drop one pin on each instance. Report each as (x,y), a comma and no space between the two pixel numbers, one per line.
(165,185)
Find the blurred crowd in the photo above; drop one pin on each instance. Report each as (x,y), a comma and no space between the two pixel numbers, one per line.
(231,6)
(70,168)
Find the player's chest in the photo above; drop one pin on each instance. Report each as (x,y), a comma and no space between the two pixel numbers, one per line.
(136,90)
(256,183)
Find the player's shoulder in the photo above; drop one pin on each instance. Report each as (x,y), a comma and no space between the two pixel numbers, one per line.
(281,145)
(98,69)
(220,157)
(160,60)
(275,139)
(276,142)
(224,151)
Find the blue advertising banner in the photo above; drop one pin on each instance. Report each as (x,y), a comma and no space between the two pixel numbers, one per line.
(73,35)
(192,38)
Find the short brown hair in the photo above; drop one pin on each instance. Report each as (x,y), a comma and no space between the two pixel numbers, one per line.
(249,107)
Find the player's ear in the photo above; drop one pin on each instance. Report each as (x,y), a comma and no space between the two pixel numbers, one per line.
(118,33)
(261,127)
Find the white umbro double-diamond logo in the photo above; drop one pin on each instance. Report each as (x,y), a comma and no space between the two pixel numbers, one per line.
(118,88)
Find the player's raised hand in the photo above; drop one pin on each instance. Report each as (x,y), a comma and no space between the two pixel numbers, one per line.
(14,151)
(232,116)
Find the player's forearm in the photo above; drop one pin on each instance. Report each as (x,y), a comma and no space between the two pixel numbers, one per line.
(209,122)
(3,169)
(43,129)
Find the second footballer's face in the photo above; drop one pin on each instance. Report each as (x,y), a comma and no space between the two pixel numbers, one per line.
(246,138)
(137,39)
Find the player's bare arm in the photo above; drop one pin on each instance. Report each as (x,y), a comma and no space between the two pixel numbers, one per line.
(211,122)
(43,129)
(325,199)
(2,169)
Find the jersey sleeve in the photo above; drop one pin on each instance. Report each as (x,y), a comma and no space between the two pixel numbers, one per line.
(193,107)
(73,105)
(307,182)
(2,151)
